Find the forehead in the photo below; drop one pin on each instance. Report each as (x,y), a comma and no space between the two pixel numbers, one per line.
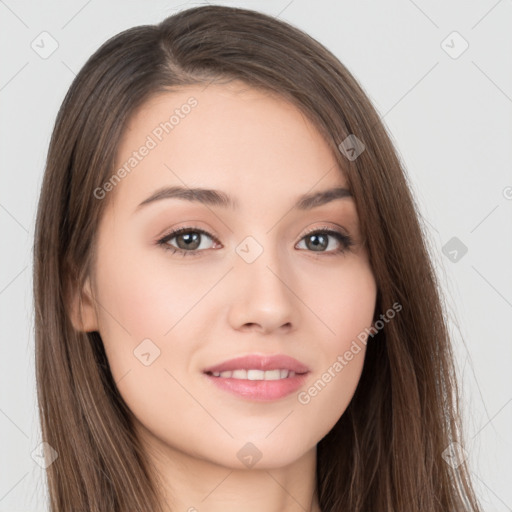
(227,136)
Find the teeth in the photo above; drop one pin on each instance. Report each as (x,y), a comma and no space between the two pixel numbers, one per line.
(255,374)
(272,374)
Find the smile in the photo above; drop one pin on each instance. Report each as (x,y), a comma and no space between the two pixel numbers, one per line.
(253,374)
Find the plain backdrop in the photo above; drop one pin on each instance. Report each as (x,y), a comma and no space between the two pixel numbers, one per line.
(440,75)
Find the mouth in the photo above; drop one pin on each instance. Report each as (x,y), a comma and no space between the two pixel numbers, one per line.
(255,374)
(259,377)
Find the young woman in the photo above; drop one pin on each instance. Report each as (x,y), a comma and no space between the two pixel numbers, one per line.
(235,305)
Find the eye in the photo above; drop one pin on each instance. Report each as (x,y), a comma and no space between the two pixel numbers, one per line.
(318,241)
(189,241)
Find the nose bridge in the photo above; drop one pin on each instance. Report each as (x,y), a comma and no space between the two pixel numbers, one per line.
(263,297)
(261,260)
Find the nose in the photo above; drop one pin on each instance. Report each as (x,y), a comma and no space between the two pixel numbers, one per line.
(263,298)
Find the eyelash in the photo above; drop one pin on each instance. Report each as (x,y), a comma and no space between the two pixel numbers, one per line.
(345,241)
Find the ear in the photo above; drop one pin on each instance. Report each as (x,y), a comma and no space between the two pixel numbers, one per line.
(83,311)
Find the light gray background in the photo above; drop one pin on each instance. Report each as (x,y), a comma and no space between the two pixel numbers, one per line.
(450,119)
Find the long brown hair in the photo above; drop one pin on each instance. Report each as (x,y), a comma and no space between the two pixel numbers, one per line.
(386,451)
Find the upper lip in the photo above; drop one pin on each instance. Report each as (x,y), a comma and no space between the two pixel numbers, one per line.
(260,362)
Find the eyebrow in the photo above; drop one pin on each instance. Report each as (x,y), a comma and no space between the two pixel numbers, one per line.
(218,198)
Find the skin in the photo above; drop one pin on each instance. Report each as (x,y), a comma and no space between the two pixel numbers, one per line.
(202,310)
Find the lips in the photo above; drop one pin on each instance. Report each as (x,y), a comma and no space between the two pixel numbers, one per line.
(259,377)
(260,362)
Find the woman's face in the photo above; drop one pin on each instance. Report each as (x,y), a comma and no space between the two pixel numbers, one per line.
(247,277)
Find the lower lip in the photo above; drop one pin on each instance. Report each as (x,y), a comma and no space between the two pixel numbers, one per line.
(260,390)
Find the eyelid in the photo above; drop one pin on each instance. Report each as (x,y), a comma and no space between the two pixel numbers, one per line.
(324,228)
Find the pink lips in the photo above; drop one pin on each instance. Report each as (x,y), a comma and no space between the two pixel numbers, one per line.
(260,390)
(260,362)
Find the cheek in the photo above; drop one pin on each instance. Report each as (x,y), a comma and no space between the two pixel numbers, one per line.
(144,297)
(346,308)
(139,303)
(342,299)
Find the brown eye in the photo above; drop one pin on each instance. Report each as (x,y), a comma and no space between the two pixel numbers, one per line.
(188,240)
(318,241)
